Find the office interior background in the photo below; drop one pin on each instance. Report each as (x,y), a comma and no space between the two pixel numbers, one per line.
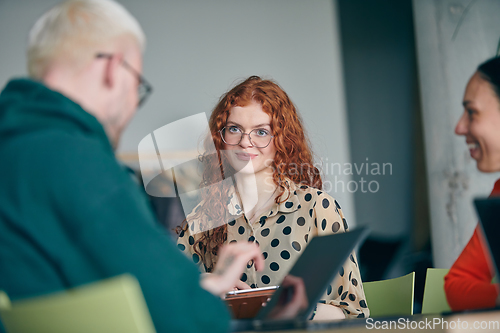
(377,82)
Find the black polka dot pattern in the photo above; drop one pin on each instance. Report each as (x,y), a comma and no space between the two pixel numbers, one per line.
(301,221)
(325,203)
(285,254)
(196,258)
(263,220)
(274,266)
(282,232)
(287,231)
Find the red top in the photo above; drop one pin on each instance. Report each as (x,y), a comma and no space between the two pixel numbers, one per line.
(468,283)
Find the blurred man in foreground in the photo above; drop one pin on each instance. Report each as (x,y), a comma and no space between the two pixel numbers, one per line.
(69,213)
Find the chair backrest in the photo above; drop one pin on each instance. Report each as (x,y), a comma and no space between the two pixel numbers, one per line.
(113,305)
(434,295)
(393,297)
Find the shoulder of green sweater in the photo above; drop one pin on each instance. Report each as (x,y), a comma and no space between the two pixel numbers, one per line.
(58,160)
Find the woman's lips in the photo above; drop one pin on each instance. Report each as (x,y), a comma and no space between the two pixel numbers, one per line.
(245,156)
(473,149)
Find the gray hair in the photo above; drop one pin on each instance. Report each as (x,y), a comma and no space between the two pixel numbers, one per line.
(74,28)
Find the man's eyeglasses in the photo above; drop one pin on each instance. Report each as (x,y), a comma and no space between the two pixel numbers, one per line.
(144,89)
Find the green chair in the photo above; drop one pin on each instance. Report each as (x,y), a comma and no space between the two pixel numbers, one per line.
(112,305)
(393,297)
(434,296)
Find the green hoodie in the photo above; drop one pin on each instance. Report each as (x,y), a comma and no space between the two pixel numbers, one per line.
(70,214)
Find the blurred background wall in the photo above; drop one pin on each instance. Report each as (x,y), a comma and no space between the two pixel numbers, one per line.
(197,50)
(382,101)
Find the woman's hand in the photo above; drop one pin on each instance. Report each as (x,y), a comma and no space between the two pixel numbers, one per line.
(240,285)
(328,312)
(233,259)
(289,308)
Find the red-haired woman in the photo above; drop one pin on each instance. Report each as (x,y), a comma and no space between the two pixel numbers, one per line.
(276,200)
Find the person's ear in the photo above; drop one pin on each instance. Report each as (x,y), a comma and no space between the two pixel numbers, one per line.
(111,70)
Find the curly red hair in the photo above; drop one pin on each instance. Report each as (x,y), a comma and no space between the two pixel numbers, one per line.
(292,152)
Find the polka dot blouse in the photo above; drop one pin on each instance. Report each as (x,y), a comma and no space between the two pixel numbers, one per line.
(282,234)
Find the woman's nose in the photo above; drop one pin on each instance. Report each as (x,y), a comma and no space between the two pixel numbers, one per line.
(462,126)
(245,140)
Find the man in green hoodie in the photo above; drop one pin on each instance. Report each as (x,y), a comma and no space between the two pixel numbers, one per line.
(69,213)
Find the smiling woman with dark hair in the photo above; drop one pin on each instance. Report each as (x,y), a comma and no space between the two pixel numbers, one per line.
(468,284)
(276,200)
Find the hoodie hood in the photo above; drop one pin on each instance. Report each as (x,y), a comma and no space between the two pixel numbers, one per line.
(28,106)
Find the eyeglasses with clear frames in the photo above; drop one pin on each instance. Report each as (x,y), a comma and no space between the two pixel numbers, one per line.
(259,137)
(144,89)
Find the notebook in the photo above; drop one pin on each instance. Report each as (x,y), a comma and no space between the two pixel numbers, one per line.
(489,218)
(317,266)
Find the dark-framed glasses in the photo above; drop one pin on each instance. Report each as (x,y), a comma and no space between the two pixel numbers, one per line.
(144,89)
(259,137)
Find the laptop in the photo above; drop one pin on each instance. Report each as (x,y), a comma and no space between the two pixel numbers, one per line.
(317,266)
(489,218)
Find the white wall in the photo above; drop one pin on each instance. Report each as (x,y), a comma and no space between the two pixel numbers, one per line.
(197,49)
(445,65)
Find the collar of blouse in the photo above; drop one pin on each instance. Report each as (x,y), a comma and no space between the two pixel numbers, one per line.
(289,202)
